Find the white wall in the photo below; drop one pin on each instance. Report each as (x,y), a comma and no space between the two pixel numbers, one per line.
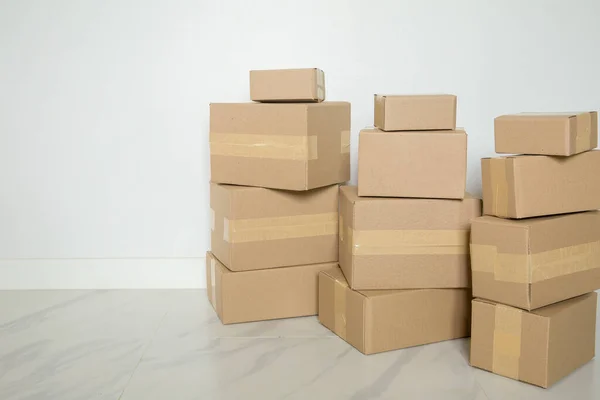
(104,107)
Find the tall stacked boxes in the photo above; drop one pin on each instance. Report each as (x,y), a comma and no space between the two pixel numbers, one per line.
(535,256)
(275,166)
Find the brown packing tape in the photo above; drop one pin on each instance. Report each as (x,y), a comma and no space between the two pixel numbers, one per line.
(499,186)
(339,308)
(288,227)
(345,142)
(583,134)
(505,266)
(279,147)
(507,341)
(320,84)
(212,282)
(382,242)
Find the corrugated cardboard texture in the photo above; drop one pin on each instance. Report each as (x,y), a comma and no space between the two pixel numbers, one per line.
(383,320)
(560,134)
(539,347)
(280,146)
(258,228)
(263,294)
(430,164)
(287,85)
(415,112)
(530,186)
(534,262)
(401,243)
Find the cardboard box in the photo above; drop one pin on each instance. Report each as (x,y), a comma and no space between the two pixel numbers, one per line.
(430,164)
(533,262)
(381,320)
(539,347)
(263,294)
(530,186)
(395,243)
(291,85)
(415,112)
(258,228)
(559,134)
(280,146)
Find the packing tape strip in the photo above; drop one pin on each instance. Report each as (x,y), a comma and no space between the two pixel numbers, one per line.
(320,85)
(339,308)
(382,242)
(288,227)
(345,142)
(213,283)
(278,147)
(583,132)
(499,185)
(507,341)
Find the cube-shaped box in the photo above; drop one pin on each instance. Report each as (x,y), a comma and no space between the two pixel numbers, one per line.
(263,294)
(287,85)
(374,321)
(531,186)
(415,112)
(396,243)
(258,228)
(430,164)
(539,347)
(297,146)
(560,134)
(534,262)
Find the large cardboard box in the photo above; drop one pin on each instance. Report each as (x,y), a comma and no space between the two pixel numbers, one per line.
(395,243)
(280,146)
(560,134)
(258,228)
(533,262)
(539,347)
(381,320)
(415,112)
(530,186)
(430,164)
(263,294)
(287,85)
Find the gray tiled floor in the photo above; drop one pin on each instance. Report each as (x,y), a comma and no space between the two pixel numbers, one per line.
(168,344)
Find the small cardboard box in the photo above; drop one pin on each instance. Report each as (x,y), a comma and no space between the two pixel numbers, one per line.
(559,134)
(533,262)
(530,186)
(258,228)
(287,85)
(280,146)
(374,321)
(263,294)
(415,112)
(430,164)
(396,243)
(539,347)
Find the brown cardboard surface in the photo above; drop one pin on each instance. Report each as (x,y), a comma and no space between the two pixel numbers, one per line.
(530,186)
(287,85)
(430,164)
(263,294)
(415,112)
(560,134)
(403,243)
(539,347)
(258,228)
(534,262)
(296,146)
(383,320)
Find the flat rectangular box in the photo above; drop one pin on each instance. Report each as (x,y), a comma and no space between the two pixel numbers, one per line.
(430,164)
(534,262)
(280,146)
(263,294)
(287,85)
(374,321)
(559,134)
(415,112)
(258,228)
(531,186)
(539,347)
(396,243)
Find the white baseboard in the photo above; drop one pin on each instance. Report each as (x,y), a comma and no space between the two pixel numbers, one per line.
(136,273)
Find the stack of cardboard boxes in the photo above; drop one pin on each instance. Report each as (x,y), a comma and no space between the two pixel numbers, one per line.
(535,256)
(275,166)
(404,231)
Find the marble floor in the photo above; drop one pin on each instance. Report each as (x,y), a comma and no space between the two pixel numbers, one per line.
(168,344)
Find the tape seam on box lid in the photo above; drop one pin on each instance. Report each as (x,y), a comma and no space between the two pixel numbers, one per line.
(279,147)
(345,142)
(506,353)
(339,308)
(409,242)
(499,185)
(583,134)
(213,284)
